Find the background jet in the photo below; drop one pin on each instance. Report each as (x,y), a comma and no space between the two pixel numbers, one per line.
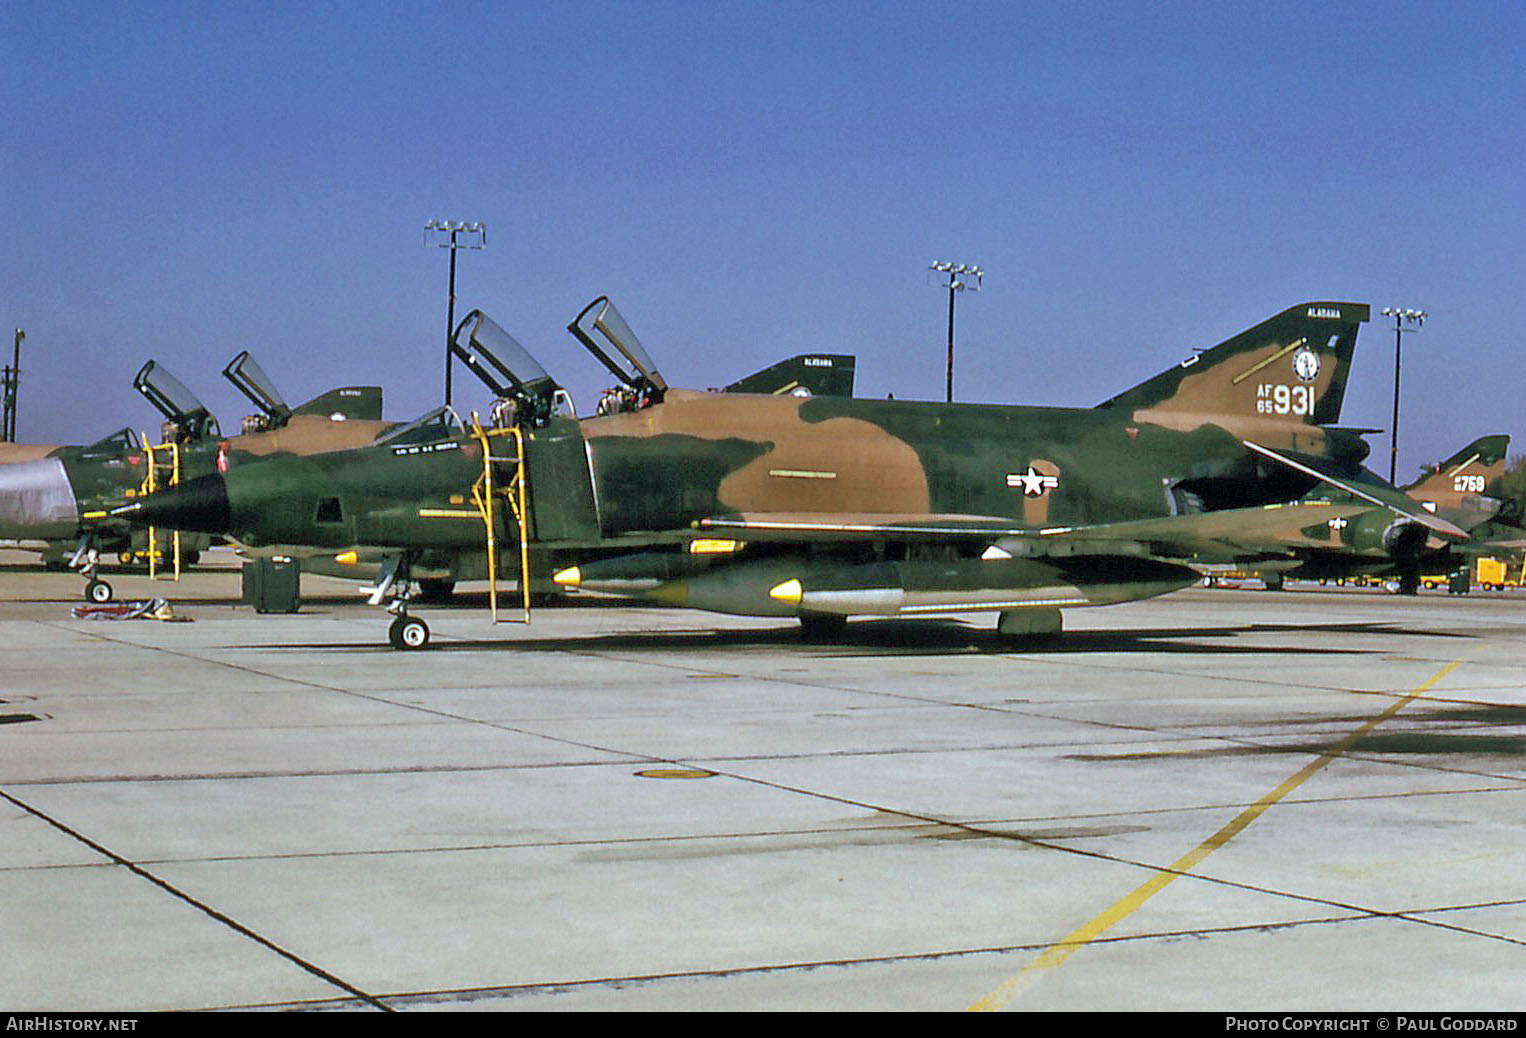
(1435,525)
(816,507)
(1464,488)
(809,374)
(57,504)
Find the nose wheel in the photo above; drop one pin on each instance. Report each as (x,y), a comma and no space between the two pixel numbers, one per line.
(408,632)
(395,583)
(87,559)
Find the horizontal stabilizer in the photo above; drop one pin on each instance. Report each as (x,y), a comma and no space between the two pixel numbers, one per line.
(1382,496)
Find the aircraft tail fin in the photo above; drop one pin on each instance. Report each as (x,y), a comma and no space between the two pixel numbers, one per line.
(1294,366)
(1470,469)
(1459,487)
(808,374)
(362,403)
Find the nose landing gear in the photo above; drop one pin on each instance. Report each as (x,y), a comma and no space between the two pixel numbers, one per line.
(408,632)
(87,559)
(395,583)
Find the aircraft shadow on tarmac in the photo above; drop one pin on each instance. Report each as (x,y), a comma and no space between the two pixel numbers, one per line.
(910,638)
(1479,730)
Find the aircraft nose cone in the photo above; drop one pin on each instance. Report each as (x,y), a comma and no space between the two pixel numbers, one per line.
(37,501)
(199,504)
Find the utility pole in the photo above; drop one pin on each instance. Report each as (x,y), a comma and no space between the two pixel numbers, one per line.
(956,277)
(448,235)
(12,388)
(1401,318)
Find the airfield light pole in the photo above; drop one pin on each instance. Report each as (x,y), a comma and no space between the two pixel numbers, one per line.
(12,390)
(1401,317)
(956,277)
(453,236)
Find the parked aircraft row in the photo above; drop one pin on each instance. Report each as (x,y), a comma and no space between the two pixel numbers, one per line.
(774,500)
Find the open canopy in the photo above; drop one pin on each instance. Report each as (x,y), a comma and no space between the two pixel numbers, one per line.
(497,358)
(601,328)
(252,381)
(177,403)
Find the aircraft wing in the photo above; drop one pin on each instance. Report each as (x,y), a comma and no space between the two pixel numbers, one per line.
(824,526)
(1236,530)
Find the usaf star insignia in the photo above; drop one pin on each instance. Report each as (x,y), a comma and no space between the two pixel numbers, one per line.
(1032,482)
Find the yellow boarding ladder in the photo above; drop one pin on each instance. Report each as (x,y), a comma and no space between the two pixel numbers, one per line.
(150,484)
(485,493)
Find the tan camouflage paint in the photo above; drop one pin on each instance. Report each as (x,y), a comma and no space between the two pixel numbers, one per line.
(309,434)
(805,470)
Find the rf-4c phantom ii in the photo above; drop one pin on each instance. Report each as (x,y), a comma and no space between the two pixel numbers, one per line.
(823,508)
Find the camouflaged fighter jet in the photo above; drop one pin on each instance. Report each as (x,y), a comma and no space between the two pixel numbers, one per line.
(54,501)
(803,375)
(1436,524)
(820,508)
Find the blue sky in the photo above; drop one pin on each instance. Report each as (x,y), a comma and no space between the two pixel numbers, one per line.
(182,181)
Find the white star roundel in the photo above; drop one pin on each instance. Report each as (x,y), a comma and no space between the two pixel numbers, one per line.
(1032,482)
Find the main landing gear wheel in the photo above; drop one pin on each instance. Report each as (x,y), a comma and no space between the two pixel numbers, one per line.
(98,591)
(408,632)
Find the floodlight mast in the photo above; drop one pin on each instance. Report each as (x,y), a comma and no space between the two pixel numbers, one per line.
(1401,317)
(475,237)
(956,277)
(12,389)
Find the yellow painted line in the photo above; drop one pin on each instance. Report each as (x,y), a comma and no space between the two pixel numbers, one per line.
(1280,353)
(801,474)
(1059,952)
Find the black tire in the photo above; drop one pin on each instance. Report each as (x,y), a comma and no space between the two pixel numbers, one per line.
(98,591)
(408,633)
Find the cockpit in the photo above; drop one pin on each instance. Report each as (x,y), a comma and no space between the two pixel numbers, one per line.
(251,380)
(526,396)
(440,424)
(602,329)
(186,419)
(123,441)
(523,393)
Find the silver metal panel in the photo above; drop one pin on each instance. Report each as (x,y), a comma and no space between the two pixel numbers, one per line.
(37,501)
